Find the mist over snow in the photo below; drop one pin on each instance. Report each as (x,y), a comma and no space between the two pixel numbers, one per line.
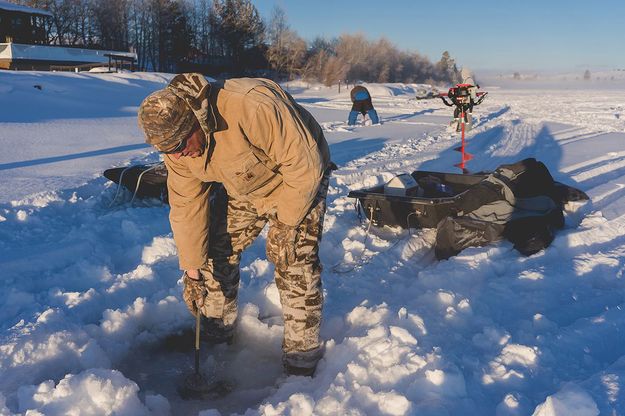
(91,315)
(590,78)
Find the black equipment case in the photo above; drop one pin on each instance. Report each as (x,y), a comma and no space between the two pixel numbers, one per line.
(415,211)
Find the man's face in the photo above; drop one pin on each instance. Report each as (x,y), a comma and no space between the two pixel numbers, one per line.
(195,144)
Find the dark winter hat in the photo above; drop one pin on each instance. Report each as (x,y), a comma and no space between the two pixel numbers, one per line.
(165,119)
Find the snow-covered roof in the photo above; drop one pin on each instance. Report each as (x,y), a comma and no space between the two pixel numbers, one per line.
(5,5)
(14,51)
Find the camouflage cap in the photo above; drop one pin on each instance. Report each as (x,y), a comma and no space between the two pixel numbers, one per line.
(165,119)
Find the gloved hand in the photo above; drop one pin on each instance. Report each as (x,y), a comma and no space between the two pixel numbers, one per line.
(281,242)
(194,293)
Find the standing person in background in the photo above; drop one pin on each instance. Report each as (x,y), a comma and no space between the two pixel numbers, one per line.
(361,103)
(462,99)
(274,163)
(469,80)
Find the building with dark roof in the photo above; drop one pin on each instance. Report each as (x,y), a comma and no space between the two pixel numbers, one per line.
(24,44)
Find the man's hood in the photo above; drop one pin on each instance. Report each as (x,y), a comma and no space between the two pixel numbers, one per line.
(195,90)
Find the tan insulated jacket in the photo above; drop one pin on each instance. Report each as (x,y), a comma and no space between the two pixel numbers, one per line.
(262,146)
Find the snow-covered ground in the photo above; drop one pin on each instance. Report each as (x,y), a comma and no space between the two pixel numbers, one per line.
(91,317)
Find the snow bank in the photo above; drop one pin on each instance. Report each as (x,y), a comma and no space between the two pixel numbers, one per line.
(570,401)
(93,392)
(397,89)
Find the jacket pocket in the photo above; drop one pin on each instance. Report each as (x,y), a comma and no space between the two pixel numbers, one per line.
(248,174)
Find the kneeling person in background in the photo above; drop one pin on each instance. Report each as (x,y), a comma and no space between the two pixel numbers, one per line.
(361,103)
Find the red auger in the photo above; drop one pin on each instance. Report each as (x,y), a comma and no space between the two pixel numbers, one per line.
(462,98)
(465,156)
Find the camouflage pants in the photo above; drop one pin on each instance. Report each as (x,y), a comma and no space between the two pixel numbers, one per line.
(234,226)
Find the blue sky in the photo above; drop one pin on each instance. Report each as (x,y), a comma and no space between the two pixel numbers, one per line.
(482,34)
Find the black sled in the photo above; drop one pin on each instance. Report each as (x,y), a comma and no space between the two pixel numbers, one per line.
(144,181)
(519,201)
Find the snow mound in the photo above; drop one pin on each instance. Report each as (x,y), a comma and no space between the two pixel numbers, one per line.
(92,392)
(397,89)
(570,401)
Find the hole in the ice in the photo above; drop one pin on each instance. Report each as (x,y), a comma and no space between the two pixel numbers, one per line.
(252,371)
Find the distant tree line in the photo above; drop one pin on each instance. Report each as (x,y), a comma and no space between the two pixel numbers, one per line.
(229,37)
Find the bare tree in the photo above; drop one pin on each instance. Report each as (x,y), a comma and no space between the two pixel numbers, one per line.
(277,25)
(334,71)
(199,18)
(287,54)
(313,68)
(276,30)
(111,22)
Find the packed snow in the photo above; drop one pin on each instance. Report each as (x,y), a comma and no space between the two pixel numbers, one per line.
(92,320)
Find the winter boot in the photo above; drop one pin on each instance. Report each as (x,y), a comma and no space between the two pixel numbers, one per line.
(302,363)
(291,370)
(214,332)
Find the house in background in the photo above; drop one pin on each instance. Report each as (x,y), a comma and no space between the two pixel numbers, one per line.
(23,45)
